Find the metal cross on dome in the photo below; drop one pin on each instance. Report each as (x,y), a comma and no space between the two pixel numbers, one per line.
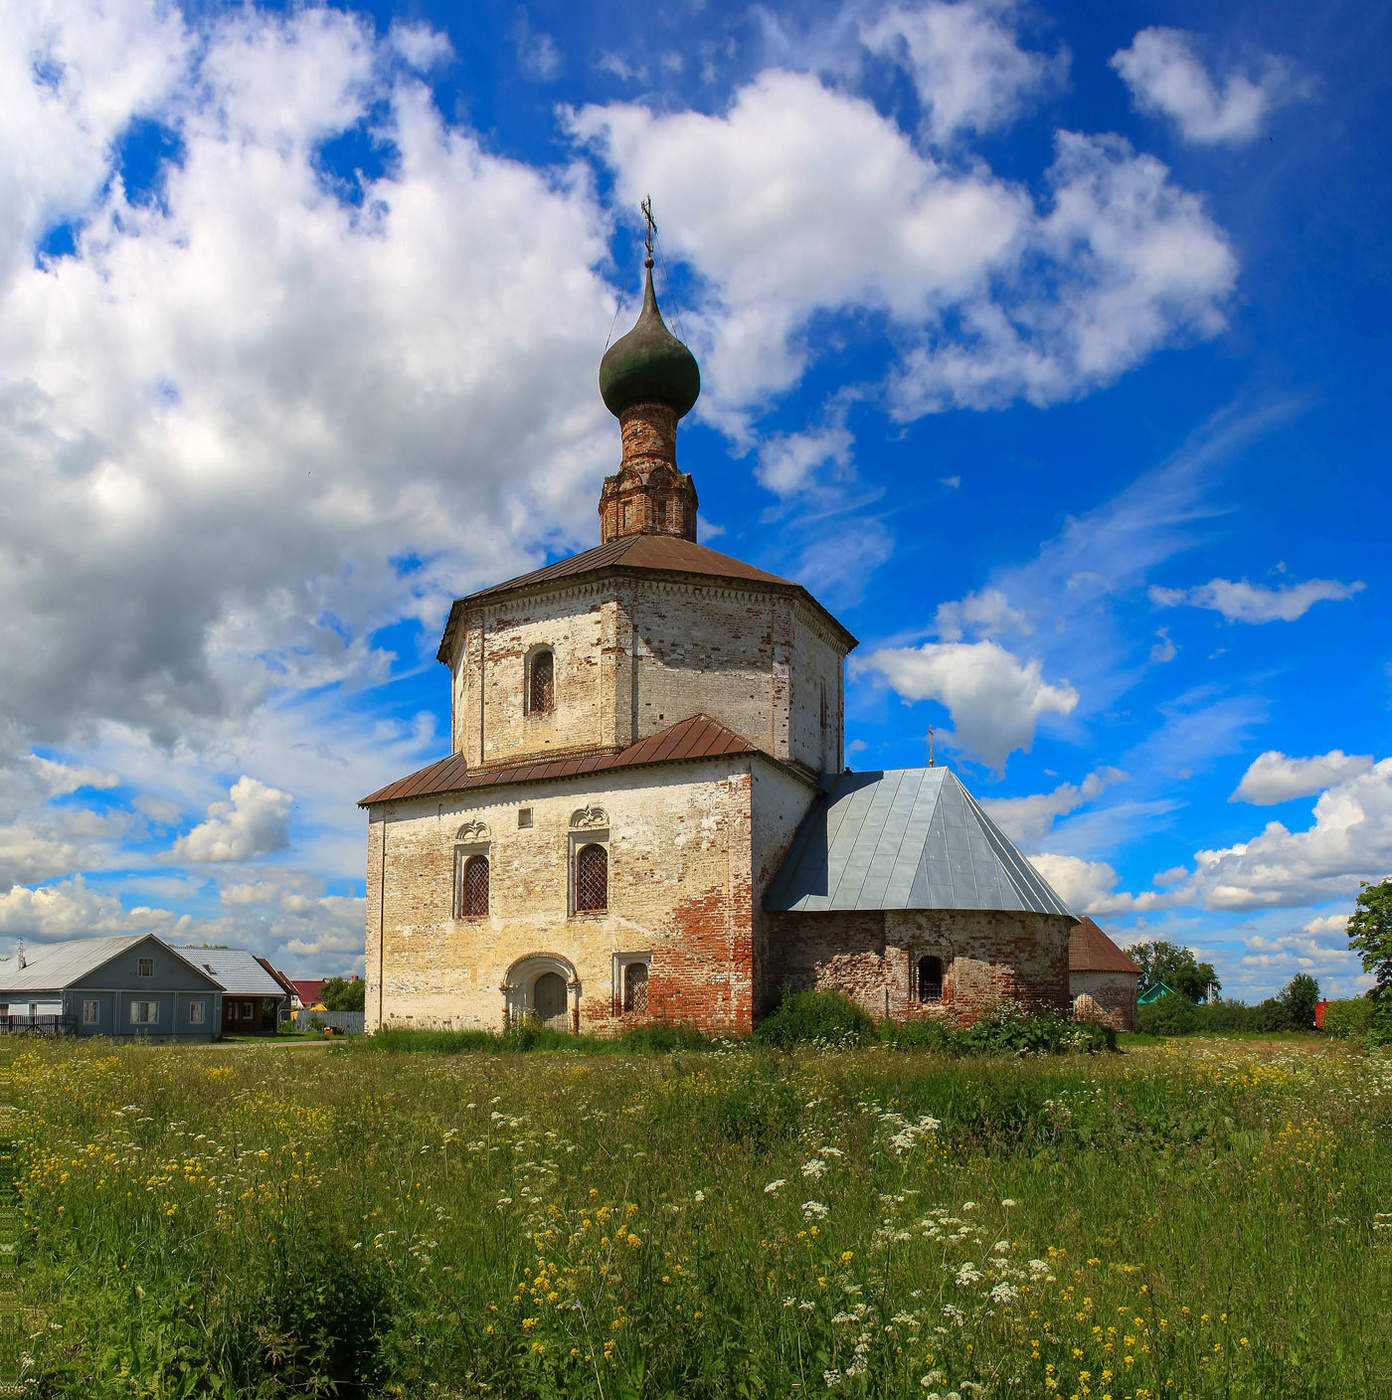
(646,207)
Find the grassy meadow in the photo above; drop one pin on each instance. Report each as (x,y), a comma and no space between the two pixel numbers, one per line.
(1190,1219)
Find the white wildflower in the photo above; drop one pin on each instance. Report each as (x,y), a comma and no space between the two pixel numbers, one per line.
(814,1168)
(773,1186)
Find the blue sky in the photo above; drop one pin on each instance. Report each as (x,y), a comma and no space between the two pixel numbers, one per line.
(1047,345)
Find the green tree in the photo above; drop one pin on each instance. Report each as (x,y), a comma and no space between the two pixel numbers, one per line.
(1298,998)
(1370,936)
(343,994)
(1177,968)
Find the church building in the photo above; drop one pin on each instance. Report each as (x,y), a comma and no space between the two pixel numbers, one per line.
(645,816)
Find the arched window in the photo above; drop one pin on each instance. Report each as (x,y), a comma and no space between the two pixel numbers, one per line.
(541,683)
(591,879)
(470,886)
(930,979)
(635,987)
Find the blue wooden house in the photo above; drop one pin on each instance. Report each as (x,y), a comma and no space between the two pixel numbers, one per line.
(129,984)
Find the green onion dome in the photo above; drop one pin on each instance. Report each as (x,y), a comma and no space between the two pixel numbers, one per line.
(649,364)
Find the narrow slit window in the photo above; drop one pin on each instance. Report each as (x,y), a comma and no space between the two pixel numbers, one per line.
(592,879)
(635,987)
(541,684)
(930,979)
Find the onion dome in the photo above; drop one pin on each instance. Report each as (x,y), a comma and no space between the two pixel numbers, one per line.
(649,364)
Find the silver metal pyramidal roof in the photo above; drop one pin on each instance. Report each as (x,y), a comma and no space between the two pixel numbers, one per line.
(909,838)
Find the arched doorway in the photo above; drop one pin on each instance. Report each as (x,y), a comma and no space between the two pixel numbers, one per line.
(542,987)
(549,999)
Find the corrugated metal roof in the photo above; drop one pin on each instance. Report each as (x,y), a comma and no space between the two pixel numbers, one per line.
(238,971)
(50,966)
(697,737)
(909,838)
(663,553)
(1090,950)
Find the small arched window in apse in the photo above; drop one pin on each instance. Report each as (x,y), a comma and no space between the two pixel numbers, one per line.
(541,683)
(930,979)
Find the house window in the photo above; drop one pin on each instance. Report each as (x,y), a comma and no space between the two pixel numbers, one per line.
(541,683)
(144,1013)
(145,967)
(89,1013)
(930,979)
(471,886)
(591,879)
(196,1010)
(635,987)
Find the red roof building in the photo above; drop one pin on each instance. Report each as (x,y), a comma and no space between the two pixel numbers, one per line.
(1102,980)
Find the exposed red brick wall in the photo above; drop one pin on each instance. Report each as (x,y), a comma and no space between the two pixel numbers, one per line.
(1114,993)
(987,956)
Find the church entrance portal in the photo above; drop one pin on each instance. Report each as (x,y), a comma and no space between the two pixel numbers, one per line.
(542,988)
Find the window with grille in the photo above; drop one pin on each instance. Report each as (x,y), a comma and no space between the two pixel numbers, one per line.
(541,683)
(930,979)
(635,987)
(591,879)
(470,886)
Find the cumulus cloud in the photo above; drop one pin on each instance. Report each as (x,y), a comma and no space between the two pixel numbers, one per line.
(995,700)
(1274,778)
(984,614)
(210,399)
(1090,886)
(1240,601)
(68,909)
(966,61)
(1167,78)
(255,822)
(994,296)
(1349,839)
(1026,819)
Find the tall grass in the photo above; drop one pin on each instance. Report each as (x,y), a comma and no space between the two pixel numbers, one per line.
(1195,1219)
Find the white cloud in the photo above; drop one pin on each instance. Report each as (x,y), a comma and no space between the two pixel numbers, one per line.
(253,823)
(55,912)
(1274,778)
(1026,819)
(984,614)
(995,699)
(211,399)
(790,462)
(994,296)
(1240,601)
(1164,648)
(1167,78)
(966,62)
(1349,839)
(537,52)
(1090,886)
(423,47)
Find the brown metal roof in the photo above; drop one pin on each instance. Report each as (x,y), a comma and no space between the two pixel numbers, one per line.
(697,737)
(662,553)
(1090,950)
